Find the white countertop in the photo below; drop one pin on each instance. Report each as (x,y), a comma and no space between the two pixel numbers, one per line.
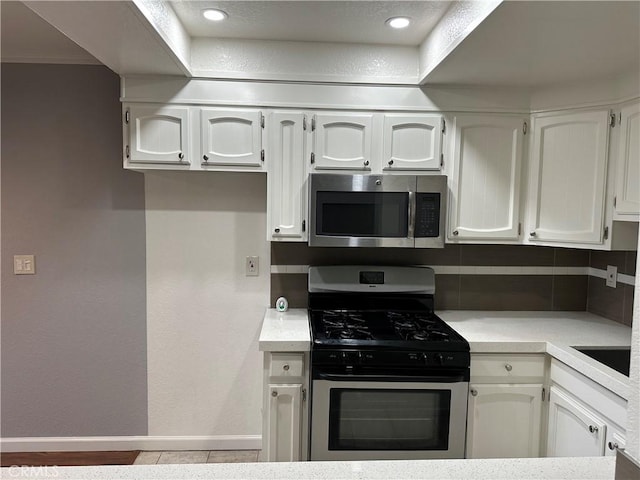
(493,332)
(553,333)
(285,331)
(520,468)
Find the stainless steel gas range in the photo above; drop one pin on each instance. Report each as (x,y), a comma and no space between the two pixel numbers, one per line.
(390,379)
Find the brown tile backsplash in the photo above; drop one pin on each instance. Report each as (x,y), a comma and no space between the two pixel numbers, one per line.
(627,311)
(571,257)
(570,292)
(290,285)
(631,263)
(480,292)
(503,255)
(302,254)
(505,292)
(605,301)
(447,292)
(600,259)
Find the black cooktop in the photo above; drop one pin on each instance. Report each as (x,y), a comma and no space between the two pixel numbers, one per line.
(419,330)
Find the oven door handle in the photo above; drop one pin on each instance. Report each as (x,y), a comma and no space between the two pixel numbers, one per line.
(392,378)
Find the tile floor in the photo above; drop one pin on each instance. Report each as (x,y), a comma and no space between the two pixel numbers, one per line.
(197,456)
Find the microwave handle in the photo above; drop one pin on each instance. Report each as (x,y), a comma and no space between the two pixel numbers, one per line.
(411,215)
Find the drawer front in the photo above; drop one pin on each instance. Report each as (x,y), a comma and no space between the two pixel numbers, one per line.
(286,365)
(505,367)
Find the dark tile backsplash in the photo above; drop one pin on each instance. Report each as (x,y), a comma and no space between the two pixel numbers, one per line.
(480,292)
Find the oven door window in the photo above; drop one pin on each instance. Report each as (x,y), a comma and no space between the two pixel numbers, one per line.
(362,214)
(372,419)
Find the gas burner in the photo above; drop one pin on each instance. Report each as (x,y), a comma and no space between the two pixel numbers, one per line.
(349,334)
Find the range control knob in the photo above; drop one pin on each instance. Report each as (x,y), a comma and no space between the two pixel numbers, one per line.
(438,359)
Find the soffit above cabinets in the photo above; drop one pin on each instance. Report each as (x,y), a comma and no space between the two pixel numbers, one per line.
(528,44)
(533,44)
(27,38)
(361,22)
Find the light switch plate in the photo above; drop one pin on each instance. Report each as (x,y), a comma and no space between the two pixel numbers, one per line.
(612,276)
(24,264)
(251,266)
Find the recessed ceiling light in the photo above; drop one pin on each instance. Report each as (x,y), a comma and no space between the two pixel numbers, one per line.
(214,15)
(398,22)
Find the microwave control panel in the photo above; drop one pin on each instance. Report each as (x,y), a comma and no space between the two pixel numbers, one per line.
(427,215)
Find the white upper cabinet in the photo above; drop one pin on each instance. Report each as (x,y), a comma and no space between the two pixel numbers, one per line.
(568,169)
(231,137)
(485,182)
(287,175)
(627,200)
(412,142)
(158,135)
(343,141)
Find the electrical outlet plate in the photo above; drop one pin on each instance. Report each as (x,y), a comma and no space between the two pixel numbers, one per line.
(251,266)
(24,264)
(612,276)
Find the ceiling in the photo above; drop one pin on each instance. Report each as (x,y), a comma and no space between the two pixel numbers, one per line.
(28,38)
(314,21)
(521,44)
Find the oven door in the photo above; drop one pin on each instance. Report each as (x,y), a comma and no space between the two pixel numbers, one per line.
(373,419)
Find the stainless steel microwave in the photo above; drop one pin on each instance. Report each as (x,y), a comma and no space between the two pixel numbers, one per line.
(377,210)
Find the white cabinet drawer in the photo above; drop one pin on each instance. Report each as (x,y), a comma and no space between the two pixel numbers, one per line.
(507,368)
(286,365)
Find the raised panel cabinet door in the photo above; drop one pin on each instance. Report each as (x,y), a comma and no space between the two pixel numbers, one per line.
(231,137)
(628,175)
(574,430)
(485,184)
(504,420)
(343,141)
(159,134)
(286,176)
(568,176)
(285,414)
(412,142)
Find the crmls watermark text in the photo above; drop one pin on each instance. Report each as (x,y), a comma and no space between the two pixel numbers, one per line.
(41,471)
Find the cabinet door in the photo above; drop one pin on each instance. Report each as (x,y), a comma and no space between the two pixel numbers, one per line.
(287,175)
(568,177)
(343,141)
(628,177)
(412,142)
(574,430)
(504,421)
(285,413)
(485,185)
(159,135)
(231,137)
(616,439)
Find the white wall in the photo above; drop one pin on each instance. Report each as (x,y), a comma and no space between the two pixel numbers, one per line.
(633,412)
(204,314)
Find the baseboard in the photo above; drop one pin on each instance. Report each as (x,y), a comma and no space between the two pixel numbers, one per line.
(86,444)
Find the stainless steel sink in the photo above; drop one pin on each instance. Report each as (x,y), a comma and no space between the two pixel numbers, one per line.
(617,358)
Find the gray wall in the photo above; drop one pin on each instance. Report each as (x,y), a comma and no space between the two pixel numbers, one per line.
(73,335)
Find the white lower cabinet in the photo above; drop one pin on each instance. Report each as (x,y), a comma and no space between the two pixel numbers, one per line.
(574,429)
(285,420)
(285,414)
(505,406)
(504,421)
(585,419)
